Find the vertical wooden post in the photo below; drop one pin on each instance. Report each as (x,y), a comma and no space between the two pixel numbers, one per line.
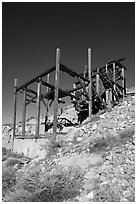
(15,111)
(24,113)
(123,81)
(97,81)
(38,109)
(56,94)
(46,114)
(107,90)
(90,84)
(114,79)
(107,97)
(74,86)
(110,95)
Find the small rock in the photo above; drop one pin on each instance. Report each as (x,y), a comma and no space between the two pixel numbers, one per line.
(102,116)
(127,193)
(124,200)
(94,127)
(79,139)
(90,195)
(104,183)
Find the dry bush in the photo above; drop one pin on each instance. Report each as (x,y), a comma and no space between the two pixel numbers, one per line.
(43,183)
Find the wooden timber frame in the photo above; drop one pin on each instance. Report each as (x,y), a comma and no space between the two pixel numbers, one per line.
(89,84)
(52,93)
(107,85)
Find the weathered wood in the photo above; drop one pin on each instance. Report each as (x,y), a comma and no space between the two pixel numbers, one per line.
(24,113)
(123,82)
(20,91)
(90,83)
(56,93)
(38,109)
(46,104)
(97,81)
(71,72)
(37,77)
(31,91)
(114,80)
(110,95)
(15,112)
(107,90)
(31,100)
(47,85)
(74,87)
(107,96)
(64,93)
(84,88)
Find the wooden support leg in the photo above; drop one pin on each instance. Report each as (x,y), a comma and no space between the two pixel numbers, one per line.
(46,114)
(38,109)
(56,94)
(24,113)
(74,86)
(107,97)
(123,81)
(110,95)
(90,84)
(114,79)
(107,90)
(15,112)
(97,81)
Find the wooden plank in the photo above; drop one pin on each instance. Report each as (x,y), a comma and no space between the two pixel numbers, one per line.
(84,88)
(15,112)
(74,87)
(37,77)
(24,113)
(123,82)
(38,110)
(90,83)
(31,91)
(97,81)
(107,96)
(56,94)
(47,85)
(114,80)
(77,88)
(65,93)
(20,91)
(71,72)
(31,100)
(107,90)
(47,103)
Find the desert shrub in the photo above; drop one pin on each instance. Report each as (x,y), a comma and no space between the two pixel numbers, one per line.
(8,179)
(127,133)
(41,183)
(19,195)
(6,153)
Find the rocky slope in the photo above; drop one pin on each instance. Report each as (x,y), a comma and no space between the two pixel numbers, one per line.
(103,147)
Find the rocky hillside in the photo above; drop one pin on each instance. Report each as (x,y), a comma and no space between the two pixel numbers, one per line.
(94,162)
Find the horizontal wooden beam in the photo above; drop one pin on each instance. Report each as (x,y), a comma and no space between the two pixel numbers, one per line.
(47,85)
(36,78)
(31,100)
(31,91)
(77,88)
(65,93)
(71,72)
(26,94)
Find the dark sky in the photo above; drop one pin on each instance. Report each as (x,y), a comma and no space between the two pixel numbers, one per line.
(32,31)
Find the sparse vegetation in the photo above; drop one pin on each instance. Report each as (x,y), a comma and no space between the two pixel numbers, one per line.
(45,184)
